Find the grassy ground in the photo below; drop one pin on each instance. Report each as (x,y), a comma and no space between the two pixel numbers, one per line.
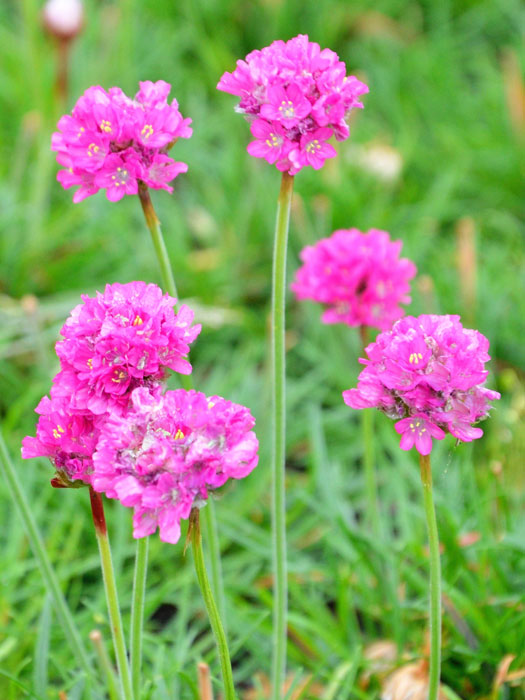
(445,103)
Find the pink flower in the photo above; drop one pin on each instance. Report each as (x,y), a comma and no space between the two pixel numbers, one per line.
(300,88)
(358,277)
(271,142)
(428,372)
(166,453)
(418,430)
(108,130)
(124,338)
(313,150)
(66,438)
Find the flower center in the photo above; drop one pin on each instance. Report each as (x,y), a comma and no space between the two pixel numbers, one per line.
(273,140)
(415,427)
(105,126)
(138,321)
(179,435)
(415,357)
(147,131)
(287,109)
(120,177)
(57,432)
(118,376)
(313,146)
(92,149)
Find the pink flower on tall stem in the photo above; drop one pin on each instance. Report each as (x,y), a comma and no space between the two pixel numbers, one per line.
(359,278)
(167,452)
(113,142)
(427,373)
(299,95)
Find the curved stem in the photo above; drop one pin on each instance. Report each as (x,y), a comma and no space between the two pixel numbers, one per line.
(211,607)
(278,384)
(435,579)
(37,545)
(110,587)
(137,611)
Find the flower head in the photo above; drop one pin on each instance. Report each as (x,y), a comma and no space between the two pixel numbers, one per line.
(427,373)
(124,338)
(358,277)
(113,142)
(299,96)
(164,455)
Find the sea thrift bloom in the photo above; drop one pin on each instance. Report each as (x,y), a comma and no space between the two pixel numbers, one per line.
(296,96)
(427,373)
(113,142)
(358,277)
(167,452)
(68,439)
(124,338)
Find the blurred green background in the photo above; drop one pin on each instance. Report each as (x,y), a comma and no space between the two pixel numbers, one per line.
(437,158)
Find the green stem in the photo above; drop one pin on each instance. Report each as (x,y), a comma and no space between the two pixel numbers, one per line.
(211,607)
(137,611)
(278,384)
(110,587)
(153,223)
(435,578)
(48,574)
(166,271)
(212,536)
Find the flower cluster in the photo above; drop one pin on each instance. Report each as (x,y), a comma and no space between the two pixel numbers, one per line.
(296,97)
(167,451)
(358,277)
(122,339)
(112,142)
(427,373)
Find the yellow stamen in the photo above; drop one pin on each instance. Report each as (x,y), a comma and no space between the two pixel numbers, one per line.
(89,363)
(179,435)
(105,125)
(138,321)
(147,131)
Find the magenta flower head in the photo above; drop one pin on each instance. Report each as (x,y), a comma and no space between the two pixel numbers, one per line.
(296,96)
(113,142)
(127,337)
(358,277)
(427,373)
(167,452)
(68,439)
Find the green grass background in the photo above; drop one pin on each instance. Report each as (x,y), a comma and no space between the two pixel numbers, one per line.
(440,74)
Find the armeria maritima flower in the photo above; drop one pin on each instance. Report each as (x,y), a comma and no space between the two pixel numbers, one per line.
(358,277)
(167,452)
(113,142)
(427,373)
(127,337)
(296,96)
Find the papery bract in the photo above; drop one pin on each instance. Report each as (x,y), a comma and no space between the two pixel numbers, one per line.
(299,96)
(358,277)
(164,455)
(427,373)
(113,142)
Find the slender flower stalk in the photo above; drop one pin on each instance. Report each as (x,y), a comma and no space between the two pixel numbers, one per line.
(110,587)
(435,578)
(37,545)
(153,224)
(211,606)
(137,611)
(278,384)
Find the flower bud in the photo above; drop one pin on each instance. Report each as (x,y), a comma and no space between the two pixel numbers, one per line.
(63,19)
